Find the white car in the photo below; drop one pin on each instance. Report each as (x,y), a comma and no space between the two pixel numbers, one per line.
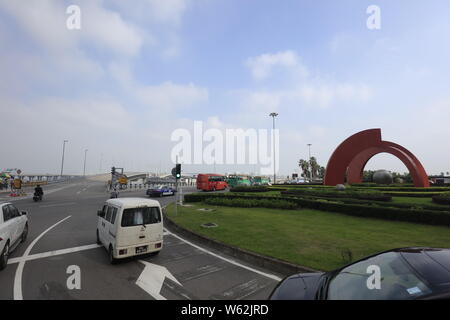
(13,230)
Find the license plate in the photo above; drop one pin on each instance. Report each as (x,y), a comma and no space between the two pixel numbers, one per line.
(141,249)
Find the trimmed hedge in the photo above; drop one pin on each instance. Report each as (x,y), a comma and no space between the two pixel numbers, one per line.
(355,194)
(443,198)
(252,203)
(433,217)
(254,189)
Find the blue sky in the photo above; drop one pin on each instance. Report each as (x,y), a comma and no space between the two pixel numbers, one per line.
(138,70)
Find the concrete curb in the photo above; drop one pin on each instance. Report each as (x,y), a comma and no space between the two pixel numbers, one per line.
(269,263)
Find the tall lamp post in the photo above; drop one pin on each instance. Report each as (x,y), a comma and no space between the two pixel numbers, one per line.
(84,166)
(273,115)
(310,164)
(62,161)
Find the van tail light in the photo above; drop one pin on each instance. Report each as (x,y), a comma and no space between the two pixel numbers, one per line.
(1,238)
(158,245)
(123,251)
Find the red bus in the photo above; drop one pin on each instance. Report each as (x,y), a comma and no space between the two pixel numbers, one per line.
(211,182)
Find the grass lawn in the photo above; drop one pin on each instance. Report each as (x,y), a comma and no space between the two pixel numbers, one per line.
(306,237)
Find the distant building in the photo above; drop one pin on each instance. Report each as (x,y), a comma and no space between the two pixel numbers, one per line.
(440,179)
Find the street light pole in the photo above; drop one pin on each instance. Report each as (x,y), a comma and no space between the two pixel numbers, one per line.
(62,161)
(310,164)
(273,115)
(84,166)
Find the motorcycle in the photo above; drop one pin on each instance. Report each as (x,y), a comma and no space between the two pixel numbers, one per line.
(37,197)
(114,195)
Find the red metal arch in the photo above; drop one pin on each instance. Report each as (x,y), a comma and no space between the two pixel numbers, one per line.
(351,156)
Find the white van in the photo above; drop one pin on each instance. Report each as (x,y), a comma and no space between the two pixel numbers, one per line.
(129,227)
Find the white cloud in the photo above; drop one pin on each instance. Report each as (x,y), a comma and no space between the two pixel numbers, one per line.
(261,66)
(167,11)
(45,22)
(168,95)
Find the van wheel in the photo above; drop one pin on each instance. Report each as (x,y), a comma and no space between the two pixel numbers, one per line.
(4,256)
(98,238)
(24,233)
(112,260)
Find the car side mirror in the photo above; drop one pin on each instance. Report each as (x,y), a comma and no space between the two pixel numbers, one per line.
(24,213)
(100,213)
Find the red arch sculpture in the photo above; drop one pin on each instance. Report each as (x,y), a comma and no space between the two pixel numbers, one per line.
(347,162)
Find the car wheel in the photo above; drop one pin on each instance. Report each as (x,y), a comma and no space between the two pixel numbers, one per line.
(98,238)
(24,233)
(112,260)
(4,256)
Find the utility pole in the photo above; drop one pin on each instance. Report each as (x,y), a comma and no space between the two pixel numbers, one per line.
(62,161)
(273,115)
(310,163)
(84,166)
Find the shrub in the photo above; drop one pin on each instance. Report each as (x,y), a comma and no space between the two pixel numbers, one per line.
(415,215)
(252,203)
(443,198)
(348,193)
(250,189)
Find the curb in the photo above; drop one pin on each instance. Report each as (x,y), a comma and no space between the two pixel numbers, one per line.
(269,263)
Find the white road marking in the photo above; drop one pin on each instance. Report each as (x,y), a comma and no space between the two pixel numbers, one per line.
(19,271)
(58,204)
(267,275)
(53,253)
(152,279)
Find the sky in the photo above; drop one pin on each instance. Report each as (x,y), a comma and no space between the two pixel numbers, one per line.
(138,70)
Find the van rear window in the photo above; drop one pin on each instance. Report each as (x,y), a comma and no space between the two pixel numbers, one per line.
(139,216)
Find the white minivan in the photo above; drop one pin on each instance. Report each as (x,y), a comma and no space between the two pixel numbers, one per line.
(129,227)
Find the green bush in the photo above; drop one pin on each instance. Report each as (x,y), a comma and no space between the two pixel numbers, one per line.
(443,198)
(415,215)
(250,189)
(347,193)
(252,203)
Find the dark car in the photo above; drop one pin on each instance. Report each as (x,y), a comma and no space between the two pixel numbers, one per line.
(404,274)
(161,191)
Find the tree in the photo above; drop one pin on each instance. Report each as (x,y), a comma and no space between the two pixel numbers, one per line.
(305,166)
(314,166)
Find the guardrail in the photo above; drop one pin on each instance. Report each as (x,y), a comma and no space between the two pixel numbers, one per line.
(133,186)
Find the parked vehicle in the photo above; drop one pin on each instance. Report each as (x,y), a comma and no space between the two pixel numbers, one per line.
(161,191)
(13,230)
(129,227)
(403,274)
(211,182)
(238,180)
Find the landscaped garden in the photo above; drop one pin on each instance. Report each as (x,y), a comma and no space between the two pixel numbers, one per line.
(320,227)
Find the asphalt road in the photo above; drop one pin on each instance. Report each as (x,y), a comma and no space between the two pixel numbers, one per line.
(62,235)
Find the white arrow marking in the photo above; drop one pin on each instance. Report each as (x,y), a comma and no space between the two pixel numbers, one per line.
(152,278)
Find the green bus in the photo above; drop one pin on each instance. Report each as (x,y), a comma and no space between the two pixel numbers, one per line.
(238,180)
(260,181)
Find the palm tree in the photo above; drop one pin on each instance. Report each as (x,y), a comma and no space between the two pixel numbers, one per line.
(305,166)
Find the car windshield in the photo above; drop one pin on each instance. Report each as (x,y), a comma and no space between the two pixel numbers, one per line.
(139,216)
(397,280)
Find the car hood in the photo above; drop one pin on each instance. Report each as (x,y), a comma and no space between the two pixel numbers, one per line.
(302,286)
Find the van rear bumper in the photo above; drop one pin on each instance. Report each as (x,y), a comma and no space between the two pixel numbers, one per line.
(131,250)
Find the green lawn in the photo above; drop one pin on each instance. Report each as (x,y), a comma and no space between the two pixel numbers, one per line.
(307,237)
